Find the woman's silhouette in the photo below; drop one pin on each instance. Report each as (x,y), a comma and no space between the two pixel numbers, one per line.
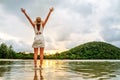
(38,43)
(36,75)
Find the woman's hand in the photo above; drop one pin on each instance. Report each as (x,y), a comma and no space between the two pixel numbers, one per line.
(23,10)
(51,9)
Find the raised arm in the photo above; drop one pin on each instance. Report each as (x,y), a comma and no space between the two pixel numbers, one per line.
(24,12)
(51,10)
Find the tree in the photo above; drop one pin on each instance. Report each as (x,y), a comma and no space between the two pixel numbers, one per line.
(3,51)
(11,52)
(90,50)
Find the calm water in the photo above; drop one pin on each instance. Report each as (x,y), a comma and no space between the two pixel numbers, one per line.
(60,70)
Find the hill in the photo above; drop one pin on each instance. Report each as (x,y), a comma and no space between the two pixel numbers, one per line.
(90,50)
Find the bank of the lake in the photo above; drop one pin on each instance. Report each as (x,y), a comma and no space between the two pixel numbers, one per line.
(90,50)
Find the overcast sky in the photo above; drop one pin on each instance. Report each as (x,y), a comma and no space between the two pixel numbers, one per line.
(72,23)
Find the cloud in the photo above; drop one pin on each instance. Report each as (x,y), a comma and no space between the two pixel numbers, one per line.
(17,45)
(73,22)
(13,6)
(80,7)
(13,31)
(111,34)
(13,26)
(110,23)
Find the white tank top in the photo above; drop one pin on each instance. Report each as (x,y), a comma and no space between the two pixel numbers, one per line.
(40,31)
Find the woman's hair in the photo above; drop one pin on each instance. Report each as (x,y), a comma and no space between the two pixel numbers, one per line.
(38,20)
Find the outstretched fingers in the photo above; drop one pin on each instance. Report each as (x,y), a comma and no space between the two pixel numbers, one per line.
(23,10)
(51,9)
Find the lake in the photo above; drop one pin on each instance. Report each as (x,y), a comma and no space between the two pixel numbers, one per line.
(60,70)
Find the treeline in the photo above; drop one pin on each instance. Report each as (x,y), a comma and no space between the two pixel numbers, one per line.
(90,50)
(7,52)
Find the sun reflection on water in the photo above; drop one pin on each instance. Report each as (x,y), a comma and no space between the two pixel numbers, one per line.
(55,64)
(60,70)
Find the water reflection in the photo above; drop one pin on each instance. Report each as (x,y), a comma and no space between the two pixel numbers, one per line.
(36,76)
(41,76)
(91,70)
(4,67)
(60,70)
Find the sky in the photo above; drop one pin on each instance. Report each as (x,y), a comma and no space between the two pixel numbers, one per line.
(73,22)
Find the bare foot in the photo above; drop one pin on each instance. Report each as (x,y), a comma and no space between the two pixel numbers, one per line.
(40,67)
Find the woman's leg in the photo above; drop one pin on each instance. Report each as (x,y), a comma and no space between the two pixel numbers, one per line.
(41,56)
(35,75)
(35,56)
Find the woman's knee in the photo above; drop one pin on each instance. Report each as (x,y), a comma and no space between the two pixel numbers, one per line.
(35,50)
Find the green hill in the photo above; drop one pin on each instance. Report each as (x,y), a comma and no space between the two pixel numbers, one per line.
(90,50)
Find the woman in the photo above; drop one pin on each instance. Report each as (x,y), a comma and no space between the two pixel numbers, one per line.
(38,43)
